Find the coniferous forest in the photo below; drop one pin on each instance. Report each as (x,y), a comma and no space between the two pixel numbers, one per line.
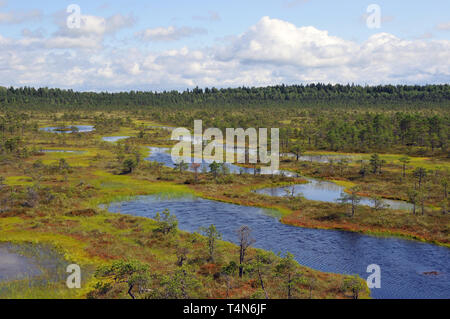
(347,118)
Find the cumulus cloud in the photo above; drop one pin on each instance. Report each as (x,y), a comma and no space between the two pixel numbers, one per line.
(270,52)
(93,26)
(169,34)
(306,54)
(89,36)
(278,42)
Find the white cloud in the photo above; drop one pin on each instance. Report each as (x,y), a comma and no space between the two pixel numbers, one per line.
(73,43)
(93,26)
(169,34)
(90,35)
(270,52)
(278,42)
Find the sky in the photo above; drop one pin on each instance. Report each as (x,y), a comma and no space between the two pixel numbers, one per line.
(174,45)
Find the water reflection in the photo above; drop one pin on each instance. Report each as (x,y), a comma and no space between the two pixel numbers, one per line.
(325,158)
(326,192)
(114,139)
(68,129)
(163,156)
(63,151)
(14,266)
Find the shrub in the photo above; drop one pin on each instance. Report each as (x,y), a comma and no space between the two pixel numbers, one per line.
(166,223)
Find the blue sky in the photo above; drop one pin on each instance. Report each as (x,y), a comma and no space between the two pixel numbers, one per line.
(177,44)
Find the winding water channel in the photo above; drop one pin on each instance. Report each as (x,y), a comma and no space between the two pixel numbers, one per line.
(404,263)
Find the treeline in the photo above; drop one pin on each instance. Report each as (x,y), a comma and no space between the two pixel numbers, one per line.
(409,119)
(317,95)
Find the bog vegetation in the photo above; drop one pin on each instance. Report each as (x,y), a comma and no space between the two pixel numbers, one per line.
(51,184)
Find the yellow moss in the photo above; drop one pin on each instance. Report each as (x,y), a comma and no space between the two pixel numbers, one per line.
(18,181)
(346,184)
(72,249)
(123,186)
(425,162)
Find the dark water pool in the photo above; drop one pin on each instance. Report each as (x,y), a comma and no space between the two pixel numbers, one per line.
(402,262)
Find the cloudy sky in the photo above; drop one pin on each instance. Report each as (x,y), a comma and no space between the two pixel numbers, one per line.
(164,45)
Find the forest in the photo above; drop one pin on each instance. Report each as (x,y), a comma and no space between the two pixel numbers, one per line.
(318,95)
(408,119)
